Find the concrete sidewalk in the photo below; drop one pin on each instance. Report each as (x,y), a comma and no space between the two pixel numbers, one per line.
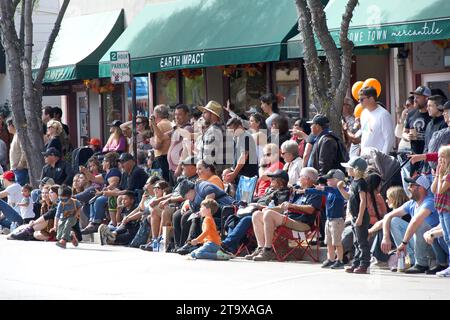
(40,270)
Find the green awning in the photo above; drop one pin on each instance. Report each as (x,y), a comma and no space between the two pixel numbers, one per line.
(80,44)
(204,33)
(386,22)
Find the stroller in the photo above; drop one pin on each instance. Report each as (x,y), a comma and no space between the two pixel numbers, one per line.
(387,166)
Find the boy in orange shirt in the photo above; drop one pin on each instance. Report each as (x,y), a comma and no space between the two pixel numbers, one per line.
(210,236)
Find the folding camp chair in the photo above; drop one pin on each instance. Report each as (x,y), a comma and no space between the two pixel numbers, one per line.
(244,192)
(246,188)
(286,241)
(248,244)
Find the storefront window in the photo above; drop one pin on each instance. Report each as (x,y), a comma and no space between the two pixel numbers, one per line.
(166,88)
(247,84)
(141,98)
(287,87)
(112,108)
(194,87)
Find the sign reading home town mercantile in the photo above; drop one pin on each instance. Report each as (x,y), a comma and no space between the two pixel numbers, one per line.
(182,61)
(400,33)
(120,66)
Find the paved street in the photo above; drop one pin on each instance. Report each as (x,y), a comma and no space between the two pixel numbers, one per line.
(38,270)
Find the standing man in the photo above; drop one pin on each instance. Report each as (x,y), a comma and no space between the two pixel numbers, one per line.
(324,155)
(180,142)
(376,123)
(416,123)
(161,126)
(17,160)
(245,159)
(212,149)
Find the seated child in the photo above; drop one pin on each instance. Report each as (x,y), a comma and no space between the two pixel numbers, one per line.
(209,236)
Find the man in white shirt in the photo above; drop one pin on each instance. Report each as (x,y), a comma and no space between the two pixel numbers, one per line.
(13,190)
(376,123)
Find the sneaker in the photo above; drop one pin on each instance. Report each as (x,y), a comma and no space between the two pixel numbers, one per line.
(187,248)
(106,236)
(91,228)
(222,256)
(415,269)
(5,231)
(436,269)
(338,265)
(444,273)
(147,247)
(254,254)
(74,239)
(327,263)
(266,254)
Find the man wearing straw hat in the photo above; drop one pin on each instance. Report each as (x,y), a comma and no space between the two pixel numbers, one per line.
(211,149)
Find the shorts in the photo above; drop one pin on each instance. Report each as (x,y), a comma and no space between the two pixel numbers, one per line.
(333,231)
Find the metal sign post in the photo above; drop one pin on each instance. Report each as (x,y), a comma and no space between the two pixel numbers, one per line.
(120,73)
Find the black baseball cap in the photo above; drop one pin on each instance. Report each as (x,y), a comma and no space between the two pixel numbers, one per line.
(52,151)
(124,157)
(320,120)
(279,174)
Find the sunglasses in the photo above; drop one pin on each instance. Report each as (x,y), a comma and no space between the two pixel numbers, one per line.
(267,154)
(362,99)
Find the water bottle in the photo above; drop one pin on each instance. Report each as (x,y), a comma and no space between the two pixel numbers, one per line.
(13,226)
(162,245)
(155,245)
(401,262)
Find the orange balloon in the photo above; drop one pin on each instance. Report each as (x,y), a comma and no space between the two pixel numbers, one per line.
(355,89)
(358,110)
(372,82)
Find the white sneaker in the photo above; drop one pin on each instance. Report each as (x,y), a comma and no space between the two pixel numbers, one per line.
(106,236)
(5,231)
(444,273)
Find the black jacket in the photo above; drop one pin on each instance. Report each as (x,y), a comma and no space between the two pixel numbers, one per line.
(325,153)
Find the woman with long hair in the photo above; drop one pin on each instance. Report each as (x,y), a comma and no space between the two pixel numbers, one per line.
(54,130)
(258,129)
(116,141)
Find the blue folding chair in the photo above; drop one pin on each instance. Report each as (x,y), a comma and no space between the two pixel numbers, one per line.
(246,188)
(244,192)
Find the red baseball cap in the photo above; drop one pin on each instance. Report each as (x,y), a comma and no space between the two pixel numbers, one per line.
(95,142)
(9,175)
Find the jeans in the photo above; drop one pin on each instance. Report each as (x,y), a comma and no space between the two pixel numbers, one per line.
(444,219)
(441,251)
(10,214)
(361,243)
(207,251)
(418,250)
(21,176)
(235,235)
(97,213)
(376,247)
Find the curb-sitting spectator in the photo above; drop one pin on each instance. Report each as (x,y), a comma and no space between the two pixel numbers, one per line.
(409,236)
(210,236)
(10,211)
